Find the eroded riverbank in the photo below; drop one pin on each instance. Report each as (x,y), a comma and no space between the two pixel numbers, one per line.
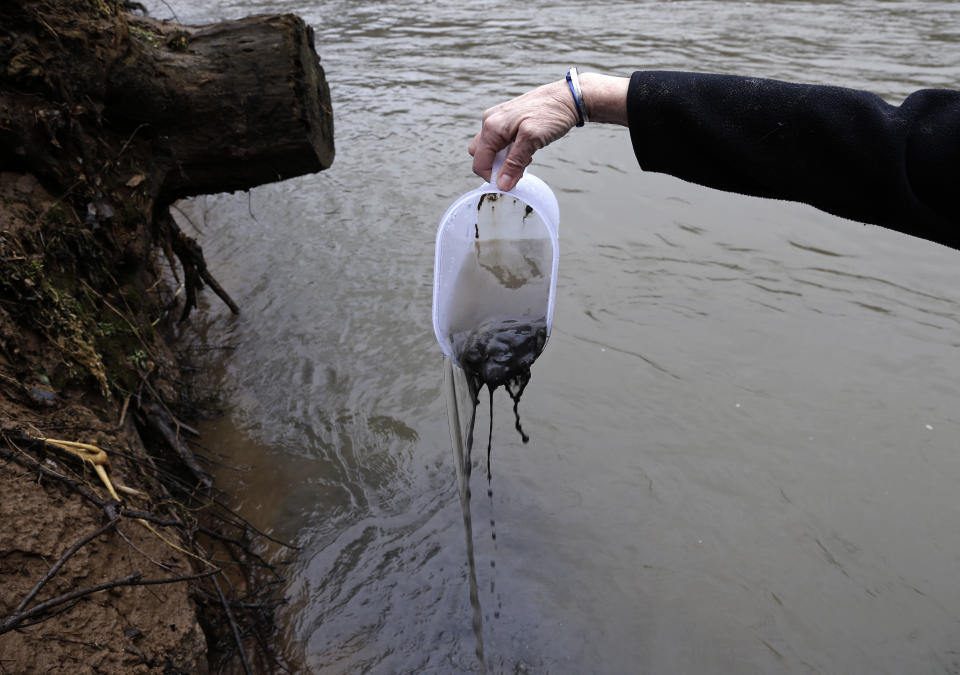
(116,553)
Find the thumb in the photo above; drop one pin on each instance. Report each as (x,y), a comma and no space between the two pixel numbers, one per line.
(517,159)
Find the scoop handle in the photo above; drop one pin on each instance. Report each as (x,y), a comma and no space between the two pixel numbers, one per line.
(498,160)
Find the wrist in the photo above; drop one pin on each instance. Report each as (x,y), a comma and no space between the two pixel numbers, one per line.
(605,97)
(560,91)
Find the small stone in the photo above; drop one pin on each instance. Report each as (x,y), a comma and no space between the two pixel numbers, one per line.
(42,396)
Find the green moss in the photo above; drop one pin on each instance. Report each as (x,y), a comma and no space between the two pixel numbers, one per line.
(151,38)
(50,274)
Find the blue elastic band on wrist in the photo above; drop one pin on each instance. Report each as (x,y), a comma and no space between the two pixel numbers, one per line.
(576,101)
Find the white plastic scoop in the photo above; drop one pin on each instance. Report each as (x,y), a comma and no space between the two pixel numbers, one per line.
(497,255)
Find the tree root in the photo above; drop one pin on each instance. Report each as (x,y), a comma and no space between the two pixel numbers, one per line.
(233,627)
(134,579)
(195,271)
(159,420)
(63,559)
(95,456)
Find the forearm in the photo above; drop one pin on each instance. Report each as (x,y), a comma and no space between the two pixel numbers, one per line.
(842,150)
(605,97)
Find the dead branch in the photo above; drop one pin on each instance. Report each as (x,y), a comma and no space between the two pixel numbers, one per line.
(161,421)
(134,579)
(239,544)
(52,572)
(233,626)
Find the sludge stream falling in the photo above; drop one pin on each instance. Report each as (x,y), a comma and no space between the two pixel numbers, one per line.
(497,335)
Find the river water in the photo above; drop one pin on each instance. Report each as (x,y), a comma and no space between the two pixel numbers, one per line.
(744,453)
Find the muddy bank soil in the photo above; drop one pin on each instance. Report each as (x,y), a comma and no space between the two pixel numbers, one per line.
(115,554)
(51,371)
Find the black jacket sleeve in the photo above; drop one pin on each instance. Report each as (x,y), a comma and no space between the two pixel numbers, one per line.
(844,151)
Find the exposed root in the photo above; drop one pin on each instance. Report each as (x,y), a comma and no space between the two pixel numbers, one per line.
(57,565)
(134,579)
(158,419)
(195,271)
(92,454)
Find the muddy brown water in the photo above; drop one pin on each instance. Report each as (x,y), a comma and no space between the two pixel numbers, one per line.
(743,454)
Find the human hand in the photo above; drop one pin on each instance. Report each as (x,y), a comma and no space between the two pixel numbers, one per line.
(540,117)
(530,122)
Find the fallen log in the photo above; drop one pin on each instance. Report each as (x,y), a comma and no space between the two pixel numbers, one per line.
(233,104)
(224,107)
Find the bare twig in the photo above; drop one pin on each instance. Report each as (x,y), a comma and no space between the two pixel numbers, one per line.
(184,426)
(239,544)
(137,549)
(233,626)
(66,607)
(152,518)
(60,563)
(188,218)
(167,5)
(127,142)
(162,422)
(134,579)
